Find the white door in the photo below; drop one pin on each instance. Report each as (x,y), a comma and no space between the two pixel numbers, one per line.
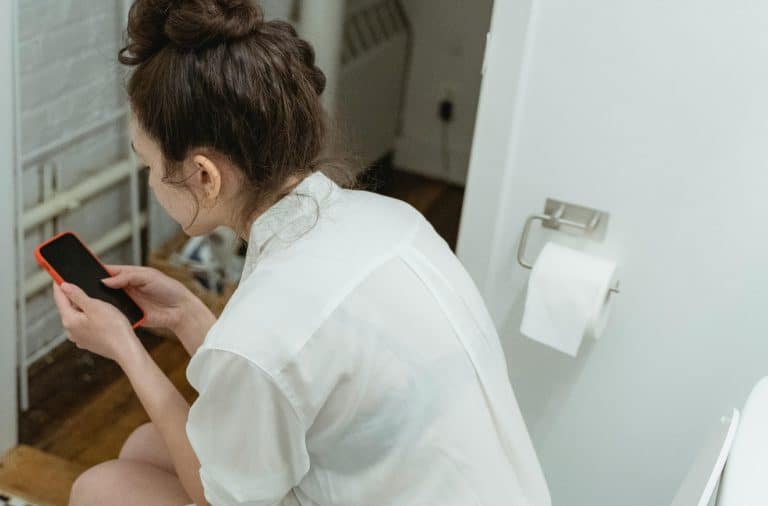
(656,112)
(8,430)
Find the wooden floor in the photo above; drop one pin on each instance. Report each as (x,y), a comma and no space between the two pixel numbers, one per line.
(36,476)
(96,430)
(83,407)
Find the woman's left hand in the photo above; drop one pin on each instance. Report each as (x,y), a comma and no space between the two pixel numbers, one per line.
(93,324)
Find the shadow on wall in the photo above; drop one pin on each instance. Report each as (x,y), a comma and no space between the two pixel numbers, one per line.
(553,372)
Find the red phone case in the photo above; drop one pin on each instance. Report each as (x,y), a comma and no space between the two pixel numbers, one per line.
(59,280)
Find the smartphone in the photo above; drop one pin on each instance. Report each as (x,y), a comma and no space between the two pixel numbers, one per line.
(68,259)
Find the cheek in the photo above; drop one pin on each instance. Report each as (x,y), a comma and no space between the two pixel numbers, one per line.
(177,202)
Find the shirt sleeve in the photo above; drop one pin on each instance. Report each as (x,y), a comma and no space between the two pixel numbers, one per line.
(246,434)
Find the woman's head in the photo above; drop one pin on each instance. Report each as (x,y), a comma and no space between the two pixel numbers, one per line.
(226,107)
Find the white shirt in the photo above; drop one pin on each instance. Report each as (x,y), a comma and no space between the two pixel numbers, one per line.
(356,364)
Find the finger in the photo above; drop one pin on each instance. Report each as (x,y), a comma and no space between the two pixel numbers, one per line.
(61,300)
(125,276)
(117,281)
(69,315)
(116,269)
(76,295)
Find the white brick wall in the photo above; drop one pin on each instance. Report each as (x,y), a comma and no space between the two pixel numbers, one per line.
(69,80)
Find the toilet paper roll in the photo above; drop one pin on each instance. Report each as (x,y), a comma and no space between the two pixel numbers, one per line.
(568,298)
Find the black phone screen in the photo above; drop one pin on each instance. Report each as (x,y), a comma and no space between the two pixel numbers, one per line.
(76,265)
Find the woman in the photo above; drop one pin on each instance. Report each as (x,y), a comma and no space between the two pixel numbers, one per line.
(355,364)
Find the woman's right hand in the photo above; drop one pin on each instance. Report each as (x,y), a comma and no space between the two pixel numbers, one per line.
(166,302)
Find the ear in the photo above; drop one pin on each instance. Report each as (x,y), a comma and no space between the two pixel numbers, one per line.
(207,178)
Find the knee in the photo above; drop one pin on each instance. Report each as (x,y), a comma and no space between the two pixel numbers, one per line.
(136,443)
(92,486)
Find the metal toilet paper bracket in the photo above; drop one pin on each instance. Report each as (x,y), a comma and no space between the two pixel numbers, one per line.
(581,220)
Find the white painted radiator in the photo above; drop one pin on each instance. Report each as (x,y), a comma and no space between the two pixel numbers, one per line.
(374,60)
(75,169)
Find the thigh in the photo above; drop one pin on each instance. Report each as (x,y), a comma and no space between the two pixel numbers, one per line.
(146,445)
(127,483)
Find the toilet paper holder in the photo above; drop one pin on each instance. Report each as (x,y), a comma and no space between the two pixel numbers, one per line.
(585,221)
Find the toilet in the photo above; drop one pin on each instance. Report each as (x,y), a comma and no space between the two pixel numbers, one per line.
(745,479)
(731,468)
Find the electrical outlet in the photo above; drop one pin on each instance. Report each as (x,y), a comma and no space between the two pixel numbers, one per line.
(446,105)
(445,110)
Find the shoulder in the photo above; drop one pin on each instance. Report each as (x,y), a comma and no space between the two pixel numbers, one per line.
(288,296)
(360,207)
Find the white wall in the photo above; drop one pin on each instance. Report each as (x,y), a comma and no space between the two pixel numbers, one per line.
(322,24)
(69,80)
(449,37)
(656,112)
(8,428)
(277,9)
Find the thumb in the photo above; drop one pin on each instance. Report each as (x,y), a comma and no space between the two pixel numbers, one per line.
(117,281)
(124,278)
(76,295)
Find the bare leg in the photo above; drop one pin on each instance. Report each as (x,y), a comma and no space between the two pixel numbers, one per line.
(146,445)
(127,483)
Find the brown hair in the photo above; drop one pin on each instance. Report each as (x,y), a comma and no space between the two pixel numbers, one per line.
(212,74)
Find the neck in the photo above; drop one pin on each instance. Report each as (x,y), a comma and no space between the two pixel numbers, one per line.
(244,229)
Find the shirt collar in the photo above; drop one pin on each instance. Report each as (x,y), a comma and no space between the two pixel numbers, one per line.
(288,218)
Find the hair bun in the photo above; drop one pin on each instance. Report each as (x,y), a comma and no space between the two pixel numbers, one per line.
(196,23)
(190,24)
